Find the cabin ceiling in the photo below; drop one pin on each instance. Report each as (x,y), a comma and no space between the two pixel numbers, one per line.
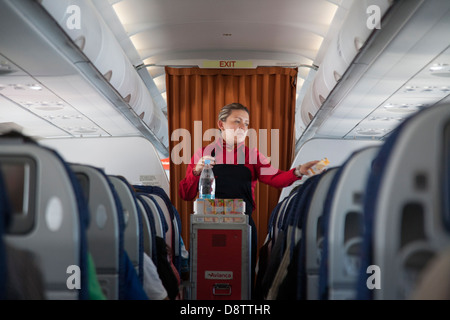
(42,92)
(106,77)
(283,31)
(50,89)
(287,33)
(404,67)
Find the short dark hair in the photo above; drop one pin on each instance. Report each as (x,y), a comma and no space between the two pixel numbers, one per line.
(226,110)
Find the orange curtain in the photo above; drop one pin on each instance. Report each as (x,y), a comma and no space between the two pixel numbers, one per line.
(195,95)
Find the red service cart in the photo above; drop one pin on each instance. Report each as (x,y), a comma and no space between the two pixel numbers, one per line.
(220,257)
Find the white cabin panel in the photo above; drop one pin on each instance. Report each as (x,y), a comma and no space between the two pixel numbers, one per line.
(135,158)
(336,150)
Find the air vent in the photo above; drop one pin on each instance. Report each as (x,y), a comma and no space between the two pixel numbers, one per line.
(49,108)
(83,130)
(370,132)
(403,108)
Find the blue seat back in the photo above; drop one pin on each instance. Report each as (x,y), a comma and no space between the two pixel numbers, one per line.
(133,235)
(314,235)
(172,220)
(106,228)
(5,211)
(343,217)
(281,227)
(149,226)
(146,229)
(279,218)
(273,219)
(406,205)
(49,216)
(295,281)
(299,210)
(161,226)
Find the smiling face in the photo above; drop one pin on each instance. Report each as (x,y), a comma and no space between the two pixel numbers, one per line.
(234,128)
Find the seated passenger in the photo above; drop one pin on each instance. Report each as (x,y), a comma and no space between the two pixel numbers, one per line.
(152,283)
(24,278)
(95,290)
(434,280)
(166,270)
(184,262)
(132,288)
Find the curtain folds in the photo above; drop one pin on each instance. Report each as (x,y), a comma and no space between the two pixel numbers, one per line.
(194,98)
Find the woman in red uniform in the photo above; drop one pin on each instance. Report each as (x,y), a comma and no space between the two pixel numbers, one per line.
(237,168)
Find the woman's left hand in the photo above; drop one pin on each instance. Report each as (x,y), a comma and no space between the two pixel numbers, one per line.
(302,170)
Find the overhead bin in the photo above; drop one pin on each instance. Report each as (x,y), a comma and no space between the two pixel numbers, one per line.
(94,38)
(389,78)
(354,32)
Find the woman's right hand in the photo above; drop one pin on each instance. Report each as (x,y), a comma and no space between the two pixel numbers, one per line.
(201,163)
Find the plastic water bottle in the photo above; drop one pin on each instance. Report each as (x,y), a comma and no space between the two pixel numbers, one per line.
(207,183)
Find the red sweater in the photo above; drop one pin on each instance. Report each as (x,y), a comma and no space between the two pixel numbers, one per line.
(258,164)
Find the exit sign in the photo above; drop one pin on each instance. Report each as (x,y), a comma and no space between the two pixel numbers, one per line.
(227,64)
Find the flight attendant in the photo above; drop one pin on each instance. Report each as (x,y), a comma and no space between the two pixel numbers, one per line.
(237,168)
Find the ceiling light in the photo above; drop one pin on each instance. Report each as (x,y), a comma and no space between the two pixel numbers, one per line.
(403,108)
(411,88)
(440,70)
(17,86)
(48,108)
(85,130)
(427,88)
(35,86)
(370,132)
(380,119)
(44,105)
(438,66)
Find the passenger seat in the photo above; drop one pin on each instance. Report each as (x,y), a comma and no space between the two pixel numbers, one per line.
(49,214)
